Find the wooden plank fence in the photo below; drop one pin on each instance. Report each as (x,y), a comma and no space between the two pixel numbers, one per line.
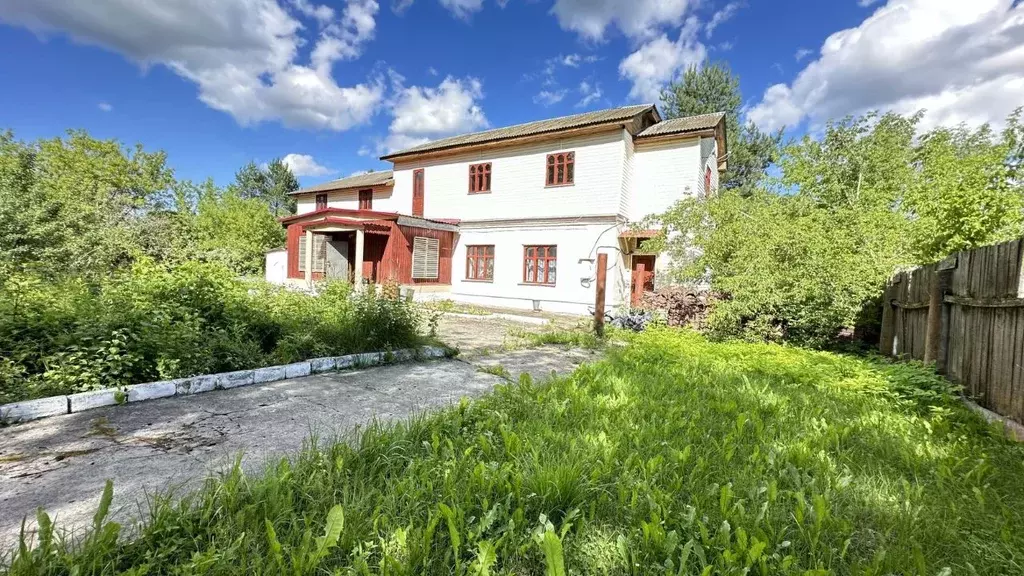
(966,314)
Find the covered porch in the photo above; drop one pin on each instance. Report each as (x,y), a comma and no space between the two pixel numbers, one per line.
(366,247)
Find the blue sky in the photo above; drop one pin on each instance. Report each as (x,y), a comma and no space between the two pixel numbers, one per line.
(337,83)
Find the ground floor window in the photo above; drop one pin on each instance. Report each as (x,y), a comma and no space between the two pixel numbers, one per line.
(480,262)
(425,257)
(539,264)
(319,252)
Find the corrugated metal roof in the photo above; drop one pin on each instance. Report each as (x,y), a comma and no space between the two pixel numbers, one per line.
(382,178)
(529,129)
(685,124)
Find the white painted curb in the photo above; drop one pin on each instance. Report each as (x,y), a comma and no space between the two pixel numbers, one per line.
(74,403)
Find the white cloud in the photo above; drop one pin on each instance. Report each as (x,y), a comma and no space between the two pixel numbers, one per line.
(548,97)
(105,106)
(866,3)
(962,61)
(432,71)
(589,92)
(802,53)
(719,17)
(657,62)
(726,46)
(323,14)
(305,165)
(423,114)
(241,54)
(463,9)
(635,18)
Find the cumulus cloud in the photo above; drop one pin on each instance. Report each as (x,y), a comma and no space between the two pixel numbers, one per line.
(634,18)
(719,17)
(105,106)
(962,61)
(589,93)
(243,55)
(305,165)
(658,61)
(421,114)
(549,97)
(463,9)
(802,53)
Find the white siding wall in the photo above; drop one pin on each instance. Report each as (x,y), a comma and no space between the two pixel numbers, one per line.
(383,201)
(574,288)
(517,181)
(709,159)
(663,173)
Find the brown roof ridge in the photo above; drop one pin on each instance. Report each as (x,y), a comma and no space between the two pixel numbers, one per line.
(536,127)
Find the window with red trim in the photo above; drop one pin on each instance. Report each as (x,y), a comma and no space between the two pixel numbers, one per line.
(561,169)
(480,262)
(707,181)
(480,178)
(539,264)
(366,199)
(321,201)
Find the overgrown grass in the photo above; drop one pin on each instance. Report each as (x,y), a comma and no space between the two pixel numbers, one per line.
(154,322)
(578,337)
(673,456)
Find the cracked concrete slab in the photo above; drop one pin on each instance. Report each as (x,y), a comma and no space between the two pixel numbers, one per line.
(61,463)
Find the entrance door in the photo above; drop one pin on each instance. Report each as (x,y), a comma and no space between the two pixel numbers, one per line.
(417,192)
(643,278)
(337,259)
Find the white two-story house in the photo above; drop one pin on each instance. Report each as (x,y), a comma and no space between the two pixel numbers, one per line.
(511,217)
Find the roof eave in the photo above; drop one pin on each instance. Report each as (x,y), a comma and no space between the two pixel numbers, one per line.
(315,190)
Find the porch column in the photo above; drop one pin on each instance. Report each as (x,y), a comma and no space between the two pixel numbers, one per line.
(359,258)
(309,257)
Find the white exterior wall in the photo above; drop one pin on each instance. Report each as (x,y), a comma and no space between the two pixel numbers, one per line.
(574,290)
(383,201)
(518,181)
(709,159)
(663,173)
(276,271)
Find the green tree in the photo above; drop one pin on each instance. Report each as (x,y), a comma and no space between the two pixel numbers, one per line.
(714,88)
(232,229)
(72,205)
(802,256)
(271,184)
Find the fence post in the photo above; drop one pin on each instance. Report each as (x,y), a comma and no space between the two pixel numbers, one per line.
(602,276)
(888,329)
(934,345)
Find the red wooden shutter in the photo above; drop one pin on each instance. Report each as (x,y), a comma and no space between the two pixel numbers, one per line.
(366,199)
(417,192)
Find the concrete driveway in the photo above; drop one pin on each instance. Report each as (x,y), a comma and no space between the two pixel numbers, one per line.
(61,463)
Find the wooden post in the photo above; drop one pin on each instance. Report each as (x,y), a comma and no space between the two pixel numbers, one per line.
(936,336)
(888,330)
(602,277)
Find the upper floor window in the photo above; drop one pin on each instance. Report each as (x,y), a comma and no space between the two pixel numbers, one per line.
(479,178)
(366,199)
(480,262)
(561,169)
(321,201)
(539,264)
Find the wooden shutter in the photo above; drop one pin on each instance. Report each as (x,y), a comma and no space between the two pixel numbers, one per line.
(425,256)
(319,252)
(302,251)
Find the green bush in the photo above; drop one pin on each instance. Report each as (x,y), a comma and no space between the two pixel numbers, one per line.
(674,456)
(153,322)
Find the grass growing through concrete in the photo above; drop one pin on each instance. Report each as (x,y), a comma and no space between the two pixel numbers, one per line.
(673,456)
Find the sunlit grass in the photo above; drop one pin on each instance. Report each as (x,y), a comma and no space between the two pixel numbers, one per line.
(673,456)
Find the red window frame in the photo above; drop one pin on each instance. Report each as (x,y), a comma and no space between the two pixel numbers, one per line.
(560,169)
(480,178)
(707,181)
(366,199)
(477,259)
(321,201)
(538,255)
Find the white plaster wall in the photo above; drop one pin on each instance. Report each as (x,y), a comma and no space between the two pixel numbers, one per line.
(518,181)
(277,267)
(383,201)
(663,173)
(575,288)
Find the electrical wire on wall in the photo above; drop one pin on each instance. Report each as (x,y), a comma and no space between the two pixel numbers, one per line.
(586,282)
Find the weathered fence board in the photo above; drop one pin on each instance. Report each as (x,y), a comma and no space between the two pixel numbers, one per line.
(982,322)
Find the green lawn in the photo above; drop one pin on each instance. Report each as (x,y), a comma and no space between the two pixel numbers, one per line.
(674,456)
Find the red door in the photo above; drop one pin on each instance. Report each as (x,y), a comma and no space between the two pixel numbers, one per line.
(643,278)
(417,192)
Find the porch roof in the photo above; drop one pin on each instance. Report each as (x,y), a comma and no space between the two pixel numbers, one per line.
(368,226)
